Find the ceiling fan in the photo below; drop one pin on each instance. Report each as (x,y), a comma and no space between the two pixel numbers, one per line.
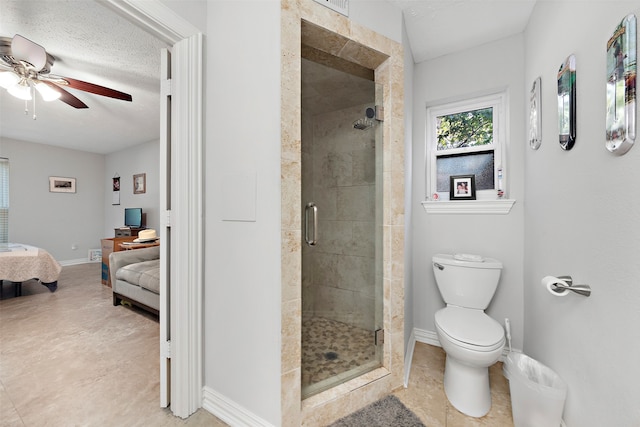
(25,67)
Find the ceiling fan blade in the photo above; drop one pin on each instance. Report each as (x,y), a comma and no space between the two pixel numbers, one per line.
(97,89)
(65,96)
(24,49)
(5,49)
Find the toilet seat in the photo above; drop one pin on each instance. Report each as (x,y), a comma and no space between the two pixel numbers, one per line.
(470,328)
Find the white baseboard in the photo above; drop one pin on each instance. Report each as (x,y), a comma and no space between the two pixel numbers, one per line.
(76,261)
(426,337)
(431,338)
(230,412)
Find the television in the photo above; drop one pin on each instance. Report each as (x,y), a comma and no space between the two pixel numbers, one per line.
(133,217)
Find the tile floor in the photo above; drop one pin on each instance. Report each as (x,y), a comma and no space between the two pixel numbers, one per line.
(70,358)
(426,398)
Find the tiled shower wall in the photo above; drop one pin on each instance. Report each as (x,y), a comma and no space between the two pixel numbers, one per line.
(326,30)
(338,168)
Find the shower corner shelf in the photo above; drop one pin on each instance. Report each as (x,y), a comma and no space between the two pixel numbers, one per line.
(492,207)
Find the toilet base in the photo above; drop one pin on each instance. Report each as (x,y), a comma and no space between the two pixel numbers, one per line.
(467,388)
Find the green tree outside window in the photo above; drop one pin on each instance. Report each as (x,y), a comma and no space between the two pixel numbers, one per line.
(467,129)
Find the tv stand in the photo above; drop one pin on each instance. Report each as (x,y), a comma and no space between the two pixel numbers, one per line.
(127,231)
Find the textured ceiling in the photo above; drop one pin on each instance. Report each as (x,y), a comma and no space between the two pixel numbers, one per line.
(90,43)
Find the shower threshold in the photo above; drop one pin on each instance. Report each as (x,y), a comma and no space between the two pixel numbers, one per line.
(336,380)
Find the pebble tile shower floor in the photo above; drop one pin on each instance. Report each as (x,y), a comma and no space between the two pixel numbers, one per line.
(330,348)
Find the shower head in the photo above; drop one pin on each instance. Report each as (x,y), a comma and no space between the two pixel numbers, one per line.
(362,124)
(367,121)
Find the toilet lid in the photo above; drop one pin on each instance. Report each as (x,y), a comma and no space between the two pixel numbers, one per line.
(469,326)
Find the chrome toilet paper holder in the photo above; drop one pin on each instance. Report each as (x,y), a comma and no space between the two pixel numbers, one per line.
(559,287)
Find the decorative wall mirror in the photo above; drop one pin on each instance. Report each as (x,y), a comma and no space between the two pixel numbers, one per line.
(567,103)
(535,116)
(621,87)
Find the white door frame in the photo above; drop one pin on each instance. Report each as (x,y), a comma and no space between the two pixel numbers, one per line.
(181,226)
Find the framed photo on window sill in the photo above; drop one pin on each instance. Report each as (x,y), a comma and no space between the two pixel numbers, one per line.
(462,187)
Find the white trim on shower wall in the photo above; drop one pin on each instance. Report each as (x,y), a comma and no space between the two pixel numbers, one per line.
(417,335)
(408,357)
(229,411)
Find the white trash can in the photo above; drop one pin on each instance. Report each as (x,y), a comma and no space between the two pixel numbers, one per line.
(537,392)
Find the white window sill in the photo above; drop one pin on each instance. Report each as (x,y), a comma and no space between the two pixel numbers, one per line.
(492,207)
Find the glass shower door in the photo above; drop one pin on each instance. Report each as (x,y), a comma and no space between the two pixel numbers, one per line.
(341,257)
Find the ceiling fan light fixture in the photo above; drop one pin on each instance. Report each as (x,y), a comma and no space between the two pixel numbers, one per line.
(31,65)
(8,79)
(47,92)
(22,90)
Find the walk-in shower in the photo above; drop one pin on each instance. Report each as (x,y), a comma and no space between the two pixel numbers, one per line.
(342,231)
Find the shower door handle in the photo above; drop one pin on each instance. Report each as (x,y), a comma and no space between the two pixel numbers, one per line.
(311,209)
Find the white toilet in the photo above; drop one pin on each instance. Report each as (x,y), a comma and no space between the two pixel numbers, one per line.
(472,340)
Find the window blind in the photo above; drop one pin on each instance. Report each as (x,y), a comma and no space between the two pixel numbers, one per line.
(4,200)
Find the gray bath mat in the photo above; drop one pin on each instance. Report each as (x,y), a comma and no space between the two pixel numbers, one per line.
(387,412)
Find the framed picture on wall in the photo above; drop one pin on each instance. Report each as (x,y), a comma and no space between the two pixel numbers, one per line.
(535,116)
(567,103)
(140,183)
(58,184)
(462,187)
(115,199)
(621,87)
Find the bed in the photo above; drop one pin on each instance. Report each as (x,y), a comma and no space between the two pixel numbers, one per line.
(19,263)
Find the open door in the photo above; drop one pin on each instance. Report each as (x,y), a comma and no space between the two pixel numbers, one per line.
(165,229)
(181,201)
(181,227)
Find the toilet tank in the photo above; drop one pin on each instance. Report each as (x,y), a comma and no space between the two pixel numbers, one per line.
(466,280)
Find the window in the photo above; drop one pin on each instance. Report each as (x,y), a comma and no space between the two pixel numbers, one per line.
(466,138)
(4,200)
